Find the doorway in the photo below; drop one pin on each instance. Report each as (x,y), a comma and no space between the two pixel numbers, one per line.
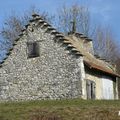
(90,88)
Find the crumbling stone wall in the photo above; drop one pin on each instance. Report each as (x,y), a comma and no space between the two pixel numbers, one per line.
(55,74)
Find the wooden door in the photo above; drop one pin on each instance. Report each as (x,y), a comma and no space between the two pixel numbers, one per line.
(90,87)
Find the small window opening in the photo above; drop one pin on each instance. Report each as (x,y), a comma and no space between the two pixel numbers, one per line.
(33,49)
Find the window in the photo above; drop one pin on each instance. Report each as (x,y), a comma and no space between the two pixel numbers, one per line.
(33,49)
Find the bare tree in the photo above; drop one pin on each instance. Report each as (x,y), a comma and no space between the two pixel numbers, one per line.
(79,15)
(104,42)
(105,45)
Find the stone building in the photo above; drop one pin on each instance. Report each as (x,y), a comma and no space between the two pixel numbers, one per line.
(45,64)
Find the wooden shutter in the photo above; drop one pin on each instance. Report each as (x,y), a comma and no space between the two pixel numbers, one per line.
(90,87)
(92,90)
(36,48)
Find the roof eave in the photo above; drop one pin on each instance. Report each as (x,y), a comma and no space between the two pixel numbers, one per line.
(101,70)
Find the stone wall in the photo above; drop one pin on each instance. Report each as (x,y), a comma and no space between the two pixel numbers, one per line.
(55,74)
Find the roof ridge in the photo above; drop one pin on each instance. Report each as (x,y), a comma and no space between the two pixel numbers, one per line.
(82,36)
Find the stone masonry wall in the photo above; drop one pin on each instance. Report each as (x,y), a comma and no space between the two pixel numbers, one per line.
(53,75)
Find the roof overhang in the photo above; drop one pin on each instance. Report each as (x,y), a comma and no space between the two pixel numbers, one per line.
(101,69)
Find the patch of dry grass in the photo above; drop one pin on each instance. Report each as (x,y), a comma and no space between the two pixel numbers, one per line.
(75,109)
(72,113)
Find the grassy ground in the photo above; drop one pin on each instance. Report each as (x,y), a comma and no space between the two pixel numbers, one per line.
(75,109)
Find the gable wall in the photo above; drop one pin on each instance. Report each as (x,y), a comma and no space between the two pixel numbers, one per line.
(53,75)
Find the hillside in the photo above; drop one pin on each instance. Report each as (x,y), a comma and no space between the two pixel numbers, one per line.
(75,109)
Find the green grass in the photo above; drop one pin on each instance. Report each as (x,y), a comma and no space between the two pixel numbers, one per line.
(75,109)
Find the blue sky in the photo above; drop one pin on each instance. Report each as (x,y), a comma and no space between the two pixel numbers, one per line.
(105,12)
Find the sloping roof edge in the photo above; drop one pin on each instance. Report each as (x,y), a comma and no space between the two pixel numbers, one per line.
(62,38)
(59,36)
(100,68)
